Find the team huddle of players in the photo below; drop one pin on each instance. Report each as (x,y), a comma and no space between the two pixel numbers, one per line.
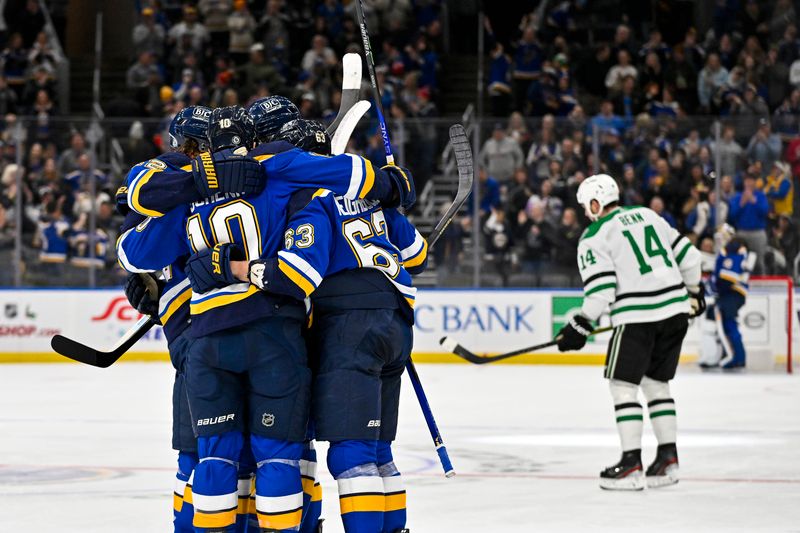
(284,289)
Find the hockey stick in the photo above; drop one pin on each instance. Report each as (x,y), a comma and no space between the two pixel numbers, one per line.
(374,81)
(91,356)
(412,371)
(466,170)
(347,125)
(351,85)
(452,346)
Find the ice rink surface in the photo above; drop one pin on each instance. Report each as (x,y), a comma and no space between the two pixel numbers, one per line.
(85,449)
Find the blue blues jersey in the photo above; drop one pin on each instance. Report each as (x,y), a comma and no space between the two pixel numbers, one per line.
(146,194)
(83,253)
(54,235)
(255,223)
(332,234)
(159,184)
(731,272)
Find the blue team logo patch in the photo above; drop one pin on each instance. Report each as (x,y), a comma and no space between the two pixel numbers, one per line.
(155,164)
(728,263)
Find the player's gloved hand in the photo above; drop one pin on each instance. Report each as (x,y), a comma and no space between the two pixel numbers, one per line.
(142,294)
(227,171)
(121,201)
(405,194)
(697,297)
(211,269)
(573,336)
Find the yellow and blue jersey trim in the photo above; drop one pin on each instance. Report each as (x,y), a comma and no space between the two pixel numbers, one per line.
(214,299)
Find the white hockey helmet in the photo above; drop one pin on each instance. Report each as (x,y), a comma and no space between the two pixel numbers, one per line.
(600,187)
(723,235)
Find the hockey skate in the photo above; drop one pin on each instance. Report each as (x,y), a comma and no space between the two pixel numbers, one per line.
(626,474)
(663,471)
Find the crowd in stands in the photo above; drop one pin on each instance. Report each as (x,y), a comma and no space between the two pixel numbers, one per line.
(644,111)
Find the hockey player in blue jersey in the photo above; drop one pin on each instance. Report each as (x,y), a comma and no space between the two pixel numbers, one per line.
(354,261)
(248,350)
(730,281)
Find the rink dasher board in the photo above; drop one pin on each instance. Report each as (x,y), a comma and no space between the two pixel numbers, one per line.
(488,321)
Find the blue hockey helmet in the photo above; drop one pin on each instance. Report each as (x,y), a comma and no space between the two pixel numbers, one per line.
(269,114)
(308,135)
(190,123)
(230,127)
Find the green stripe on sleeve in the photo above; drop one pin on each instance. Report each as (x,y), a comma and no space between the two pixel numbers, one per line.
(645,307)
(600,288)
(683,252)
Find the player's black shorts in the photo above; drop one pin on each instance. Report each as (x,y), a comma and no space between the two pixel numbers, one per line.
(253,378)
(182,434)
(649,349)
(360,356)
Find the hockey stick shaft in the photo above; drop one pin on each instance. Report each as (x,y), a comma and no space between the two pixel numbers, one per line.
(444,458)
(90,356)
(464,166)
(362,23)
(452,346)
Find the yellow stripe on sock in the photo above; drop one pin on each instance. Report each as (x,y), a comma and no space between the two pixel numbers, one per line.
(361,503)
(316,496)
(177,502)
(218,520)
(395,501)
(187,495)
(244,505)
(279,521)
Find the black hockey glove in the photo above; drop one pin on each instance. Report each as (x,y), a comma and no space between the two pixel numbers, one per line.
(211,268)
(405,194)
(226,171)
(140,293)
(697,297)
(573,336)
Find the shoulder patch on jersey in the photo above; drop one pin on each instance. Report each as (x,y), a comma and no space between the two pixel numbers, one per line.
(727,263)
(155,164)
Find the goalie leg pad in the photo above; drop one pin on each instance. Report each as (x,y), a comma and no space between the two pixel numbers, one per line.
(628,413)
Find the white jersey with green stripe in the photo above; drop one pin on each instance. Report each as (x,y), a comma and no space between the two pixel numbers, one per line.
(632,261)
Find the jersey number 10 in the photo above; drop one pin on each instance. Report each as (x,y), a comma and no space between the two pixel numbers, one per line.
(236,212)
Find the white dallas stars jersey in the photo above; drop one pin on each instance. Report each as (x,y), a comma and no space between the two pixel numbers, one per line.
(634,262)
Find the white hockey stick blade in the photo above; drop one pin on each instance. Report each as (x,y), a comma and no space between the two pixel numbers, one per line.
(347,126)
(351,85)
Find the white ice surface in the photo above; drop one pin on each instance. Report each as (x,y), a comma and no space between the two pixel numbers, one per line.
(84,449)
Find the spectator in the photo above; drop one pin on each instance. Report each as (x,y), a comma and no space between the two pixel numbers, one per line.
(541,152)
(68,160)
(215,17)
(628,102)
(43,54)
(148,36)
(747,212)
(274,28)
(498,243)
(657,205)
(620,71)
(532,231)
(605,120)
(750,108)
(8,98)
(784,245)
(528,61)
(780,190)
(488,192)
(518,194)
(764,147)
(319,57)
(729,151)
(500,93)
(189,34)
(142,72)
(553,206)
(711,78)
(257,71)
(786,117)
(15,63)
(242,25)
(40,81)
(500,154)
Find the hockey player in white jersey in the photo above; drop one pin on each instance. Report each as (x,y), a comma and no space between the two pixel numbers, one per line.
(634,263)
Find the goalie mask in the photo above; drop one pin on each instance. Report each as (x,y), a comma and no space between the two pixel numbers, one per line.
(191,123)
(270,114)
(308,135)
(230,127)
(601,188)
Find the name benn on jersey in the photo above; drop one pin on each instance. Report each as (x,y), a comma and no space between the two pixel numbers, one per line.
(629,219)
(353,207)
